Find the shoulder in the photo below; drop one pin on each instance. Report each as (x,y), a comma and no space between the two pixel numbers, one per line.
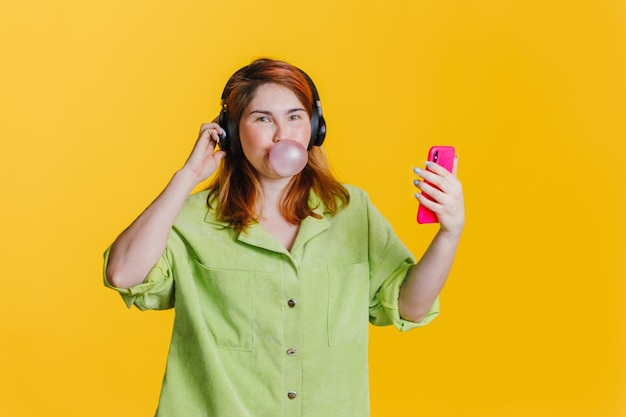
(199,198)
(361,203)
(196,203)
(358,205)
(353,189)
(358,196)
(196,208)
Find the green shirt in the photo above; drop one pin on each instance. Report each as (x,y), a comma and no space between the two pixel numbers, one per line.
(263,332)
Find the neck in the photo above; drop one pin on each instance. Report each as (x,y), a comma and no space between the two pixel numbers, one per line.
(270,217)
(269,202)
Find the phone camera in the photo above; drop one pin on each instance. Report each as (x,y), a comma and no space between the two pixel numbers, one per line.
(436,157)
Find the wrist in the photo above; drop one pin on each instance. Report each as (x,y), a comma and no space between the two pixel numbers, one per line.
(185,178)
(450,235)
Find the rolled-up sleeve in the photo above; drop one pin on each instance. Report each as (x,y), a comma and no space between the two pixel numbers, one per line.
(156,292)
(389,294)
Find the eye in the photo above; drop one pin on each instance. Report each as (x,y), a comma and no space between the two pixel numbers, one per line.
(263,119)
(296,116)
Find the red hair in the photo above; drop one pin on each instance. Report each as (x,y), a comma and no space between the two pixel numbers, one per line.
(235,188)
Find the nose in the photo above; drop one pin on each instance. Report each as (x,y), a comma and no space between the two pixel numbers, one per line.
(281,132)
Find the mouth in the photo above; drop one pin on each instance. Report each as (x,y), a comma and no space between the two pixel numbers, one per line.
(287,158)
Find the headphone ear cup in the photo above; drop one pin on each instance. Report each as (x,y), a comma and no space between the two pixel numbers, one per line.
(231,139)
(225,141)
(318,127)
(315,122)
(321,131)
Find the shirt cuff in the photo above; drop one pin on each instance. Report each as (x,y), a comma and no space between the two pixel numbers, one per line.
(154,293)
(389,295)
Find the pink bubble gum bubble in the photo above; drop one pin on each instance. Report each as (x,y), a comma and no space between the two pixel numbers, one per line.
(288,157)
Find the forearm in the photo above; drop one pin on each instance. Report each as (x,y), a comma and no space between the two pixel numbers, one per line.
(137,249)
(428,276)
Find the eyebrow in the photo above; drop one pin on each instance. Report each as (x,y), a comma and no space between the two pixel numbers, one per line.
(269,113)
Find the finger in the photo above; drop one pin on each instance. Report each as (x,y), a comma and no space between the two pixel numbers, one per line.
(432,192)
(436,168)
(208,126)
(430,176)
(425,200)
(218,155)
(205,126)
(206,135)
(213,130)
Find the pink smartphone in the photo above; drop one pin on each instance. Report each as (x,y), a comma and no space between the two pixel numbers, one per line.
(440,155)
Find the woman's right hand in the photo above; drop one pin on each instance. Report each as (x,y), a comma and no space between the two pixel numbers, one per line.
(204,159)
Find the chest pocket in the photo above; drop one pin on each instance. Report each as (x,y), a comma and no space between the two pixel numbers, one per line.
(348,304)
(226,304)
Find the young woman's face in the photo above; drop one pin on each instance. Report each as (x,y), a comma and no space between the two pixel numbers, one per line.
(275,113)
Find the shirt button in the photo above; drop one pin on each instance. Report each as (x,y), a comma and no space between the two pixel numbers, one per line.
(291,303)
(291,351)
(291,395)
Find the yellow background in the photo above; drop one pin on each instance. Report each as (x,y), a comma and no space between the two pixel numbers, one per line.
(101,102)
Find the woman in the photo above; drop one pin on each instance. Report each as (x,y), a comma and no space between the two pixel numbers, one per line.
(274,278)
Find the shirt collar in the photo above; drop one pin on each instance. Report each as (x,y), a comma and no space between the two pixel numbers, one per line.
(256,235)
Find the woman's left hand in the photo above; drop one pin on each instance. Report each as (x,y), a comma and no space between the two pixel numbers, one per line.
(447,195)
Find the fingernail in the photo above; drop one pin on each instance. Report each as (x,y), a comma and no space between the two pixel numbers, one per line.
(417,170)
(418,195)
(416,182)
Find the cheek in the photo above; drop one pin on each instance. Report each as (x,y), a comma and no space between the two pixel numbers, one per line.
(305,134)
(248,136)
(253,142)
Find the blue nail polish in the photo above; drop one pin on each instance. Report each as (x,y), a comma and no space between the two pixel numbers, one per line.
(417,170)
(418,195)
(416,182)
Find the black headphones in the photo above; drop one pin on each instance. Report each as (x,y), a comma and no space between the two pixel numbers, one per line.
(230,141)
